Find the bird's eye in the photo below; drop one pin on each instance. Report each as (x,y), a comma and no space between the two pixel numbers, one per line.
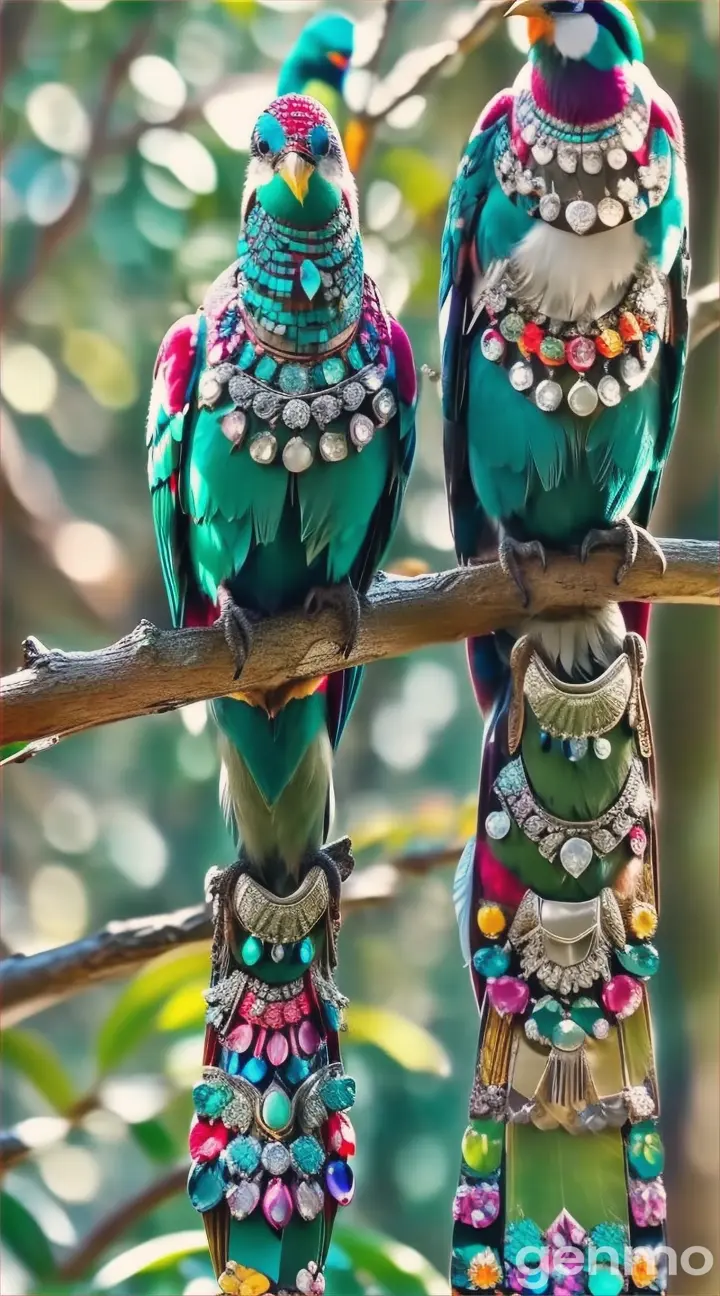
(319,141)
(263,147)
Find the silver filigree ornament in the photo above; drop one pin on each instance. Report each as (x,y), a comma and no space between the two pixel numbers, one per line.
(521,376)
(353,395)
(325,409)
(616,157)
(550,207)
(265,404)
(567,156)
(373,378)
(543,152)
(592,159)
(609,390)
(276,1159)
(296,414)
(242,390)
(610,211)
(580,215)
(548,395)
(242,1199)
(362,430)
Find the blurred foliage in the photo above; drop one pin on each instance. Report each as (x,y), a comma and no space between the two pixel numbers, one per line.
(125,124)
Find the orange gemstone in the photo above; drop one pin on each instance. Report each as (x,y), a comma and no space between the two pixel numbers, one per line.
(644,1268)
(609,343)
(630,330)
(484,1272)
(491,920)
(645,324)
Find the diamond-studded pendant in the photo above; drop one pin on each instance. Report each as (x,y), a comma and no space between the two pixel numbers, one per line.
(362,430)
(333,447)
(582,399)
(550,207)
(577,748)
(276,1159)
(610,211)
(296,414)
(580,215)
(567,156)
(297,455)
(242,389)
(521,376)
(325,409)
(353,395)
(616,158)
(492,345)
(602,748)
(592,159)
(294,379)
(373,378)
(209,390)
(632,372)
(576,855)
(543,152)
(548,395)
(266,404)
(263,448)
(384,406)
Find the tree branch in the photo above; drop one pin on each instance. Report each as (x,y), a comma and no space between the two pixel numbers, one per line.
(31,983)
(704,309)
(153,670)
(118,1221)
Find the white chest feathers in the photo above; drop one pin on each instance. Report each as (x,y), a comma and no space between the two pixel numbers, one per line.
(565,276)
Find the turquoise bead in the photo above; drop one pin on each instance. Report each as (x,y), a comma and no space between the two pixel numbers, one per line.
(266,368)
(547,1014)
(276,1109)
(338,1093)
(206,1184)
(211,1099)
(334,370)
(246,358)
(605,1282)
(294,379)
(491,961)
(310,279)
(332,1015)
(307,1154)
(641,960)
(355,357)
(252,951)
(306,951)
(297,1070)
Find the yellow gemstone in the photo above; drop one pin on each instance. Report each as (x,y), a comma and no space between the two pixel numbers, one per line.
(643,921)
(491,920)
(644,1268)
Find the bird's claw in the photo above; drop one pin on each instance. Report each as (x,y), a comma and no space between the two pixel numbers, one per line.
(237,628)
(343,600)
(511,553)
(624,535)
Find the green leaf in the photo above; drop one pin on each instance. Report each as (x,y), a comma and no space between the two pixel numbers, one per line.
(397,1269)
(24,1236)
(421,182)
(18,752)
(185,1009)
(28,1052)
(160,1253)
(404,1041)
(155,1140)
(134,1014)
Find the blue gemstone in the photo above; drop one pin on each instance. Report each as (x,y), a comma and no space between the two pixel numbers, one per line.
(491,962)
(233,1063)
(355,356)
(545,741)
(252,951)
(310,279)
(307,1154)
(206,1184)
(641,960)
(334,370)
(243,1154)
(332,1016)
(297,1070)
(340,1181)
(254,1070)
(294,379)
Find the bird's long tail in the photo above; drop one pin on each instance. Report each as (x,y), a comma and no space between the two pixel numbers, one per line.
(561,1187)
(272,1140)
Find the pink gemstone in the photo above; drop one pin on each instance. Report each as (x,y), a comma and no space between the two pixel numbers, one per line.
(277,1204)
(508,995)
(638,840)
(216,354)
(207,1141)
(493,345)
(239,1040)
(622,996)
(308,1038)
(340,1135)
(242,1199)
(648,1202)
(277,1049)
(581,353)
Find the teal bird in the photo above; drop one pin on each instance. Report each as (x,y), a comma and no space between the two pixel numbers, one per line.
(318,63)
(281,433)
(563,296)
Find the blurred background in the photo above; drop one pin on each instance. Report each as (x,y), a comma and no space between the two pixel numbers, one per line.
(124,146)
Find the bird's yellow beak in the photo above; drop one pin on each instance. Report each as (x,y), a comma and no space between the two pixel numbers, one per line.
(296,172)
(341,61)
(540,22)
(526,9)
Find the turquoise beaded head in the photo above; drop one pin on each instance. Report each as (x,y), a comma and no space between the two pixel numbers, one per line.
(298,170)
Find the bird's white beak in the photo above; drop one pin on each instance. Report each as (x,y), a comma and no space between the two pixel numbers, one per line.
(296,171)
(526,9)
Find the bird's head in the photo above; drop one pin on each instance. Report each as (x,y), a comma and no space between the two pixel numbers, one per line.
(323,53)
(298,170)
(601,33)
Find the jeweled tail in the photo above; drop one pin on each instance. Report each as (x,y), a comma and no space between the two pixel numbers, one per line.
(561,1186)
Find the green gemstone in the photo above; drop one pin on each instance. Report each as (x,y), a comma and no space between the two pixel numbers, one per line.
(552,348)
(334,370)
(546,1015)
(266,368)
(355,357)
(646,1154)
(306,951)
(276,1109)
(568,1036)
(512,326)
(338,1093)
(586,1013)
(482,1146)
(211,1099)
(307,1155)
(246,358)
(252,951)
(243,1154)
(641,960)
(294,379)
(605,1282)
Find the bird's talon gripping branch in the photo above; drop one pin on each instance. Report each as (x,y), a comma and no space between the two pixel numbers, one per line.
(344,601)
(511,553)
(624,535)
(237,628)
